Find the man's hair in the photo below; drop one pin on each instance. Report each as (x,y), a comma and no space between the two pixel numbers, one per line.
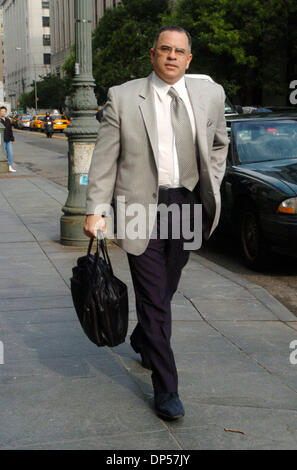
(3,107)
(171,27)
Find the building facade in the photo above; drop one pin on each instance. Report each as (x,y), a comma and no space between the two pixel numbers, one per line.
(63,28)
(1,57)
(27,49)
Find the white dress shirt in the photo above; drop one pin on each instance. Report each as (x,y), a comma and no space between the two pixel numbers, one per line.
(167,158)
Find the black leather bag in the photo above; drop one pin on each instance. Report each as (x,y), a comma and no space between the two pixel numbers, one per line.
(100,298)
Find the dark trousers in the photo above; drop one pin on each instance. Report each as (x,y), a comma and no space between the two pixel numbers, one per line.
(156,274)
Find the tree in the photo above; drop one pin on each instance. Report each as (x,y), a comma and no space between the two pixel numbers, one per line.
(243,44)
(122,40)
(69,68)
(51,91)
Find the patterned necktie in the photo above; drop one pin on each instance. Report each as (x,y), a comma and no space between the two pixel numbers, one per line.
(181,124)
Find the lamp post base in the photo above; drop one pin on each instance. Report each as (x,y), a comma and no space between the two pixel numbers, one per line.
(3,166)
(72,231)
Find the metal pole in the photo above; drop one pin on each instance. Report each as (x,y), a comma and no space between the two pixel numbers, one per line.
(35,85)
(83,131)
(18,83)
(35,94)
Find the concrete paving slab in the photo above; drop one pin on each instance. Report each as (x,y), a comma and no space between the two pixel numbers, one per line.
(66,410)
(201,338)
(19,318)
(100,365)
(233,309)
(262,428)
(36,303)
(16,236)
(157,440)
(258,336)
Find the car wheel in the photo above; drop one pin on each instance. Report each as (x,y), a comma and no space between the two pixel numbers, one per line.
(252,247)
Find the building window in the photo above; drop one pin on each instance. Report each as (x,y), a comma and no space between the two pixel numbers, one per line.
(114,3)
(46,59)
(45,21)
(104,6)
(45,4)
(46,39)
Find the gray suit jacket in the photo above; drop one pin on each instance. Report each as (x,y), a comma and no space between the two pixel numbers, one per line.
(125,159)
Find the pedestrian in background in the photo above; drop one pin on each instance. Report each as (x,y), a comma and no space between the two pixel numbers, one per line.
(8,137)
(48,125)
(99,115)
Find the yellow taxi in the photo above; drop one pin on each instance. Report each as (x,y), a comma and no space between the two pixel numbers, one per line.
(60,122)
(35,124)
(14,120)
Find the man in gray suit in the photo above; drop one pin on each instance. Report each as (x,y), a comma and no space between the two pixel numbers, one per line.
(162,140)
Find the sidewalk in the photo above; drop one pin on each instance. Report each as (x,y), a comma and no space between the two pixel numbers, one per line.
(59,391)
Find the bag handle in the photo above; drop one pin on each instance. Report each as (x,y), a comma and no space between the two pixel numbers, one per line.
(101,245)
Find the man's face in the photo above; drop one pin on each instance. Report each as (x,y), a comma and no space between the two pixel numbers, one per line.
(171,56)
(3,113)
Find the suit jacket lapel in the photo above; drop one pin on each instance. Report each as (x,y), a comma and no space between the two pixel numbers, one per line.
(147,108)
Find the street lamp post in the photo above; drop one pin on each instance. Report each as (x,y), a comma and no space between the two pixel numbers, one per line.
(35,84)
(83,130)
(18,81)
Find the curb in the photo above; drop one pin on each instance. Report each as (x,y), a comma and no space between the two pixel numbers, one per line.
(277,308)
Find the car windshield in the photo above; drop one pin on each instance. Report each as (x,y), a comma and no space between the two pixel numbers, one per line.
(58,117)
(263,141)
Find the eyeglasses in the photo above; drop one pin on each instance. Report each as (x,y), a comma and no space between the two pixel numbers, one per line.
(167,49)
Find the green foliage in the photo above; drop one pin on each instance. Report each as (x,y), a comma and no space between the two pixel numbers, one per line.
(27,100)
(244,44)
(51,91)
(122,40)
(69,69)
(249,46)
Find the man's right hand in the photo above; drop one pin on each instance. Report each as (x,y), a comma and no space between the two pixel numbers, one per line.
(93,223)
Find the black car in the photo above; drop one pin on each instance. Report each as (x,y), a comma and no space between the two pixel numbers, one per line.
(259,189)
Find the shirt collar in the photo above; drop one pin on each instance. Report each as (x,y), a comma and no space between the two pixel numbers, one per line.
(162,87)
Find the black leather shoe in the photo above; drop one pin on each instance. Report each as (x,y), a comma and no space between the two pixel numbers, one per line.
(169,406)
(145,362)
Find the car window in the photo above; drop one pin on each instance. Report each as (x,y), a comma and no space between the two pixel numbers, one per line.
(265,140)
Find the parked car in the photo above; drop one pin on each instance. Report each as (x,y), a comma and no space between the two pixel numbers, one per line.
(60,122)
(259,189)
(255,109)
(24,121)
(283,109)
(35,124)
(230,110)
